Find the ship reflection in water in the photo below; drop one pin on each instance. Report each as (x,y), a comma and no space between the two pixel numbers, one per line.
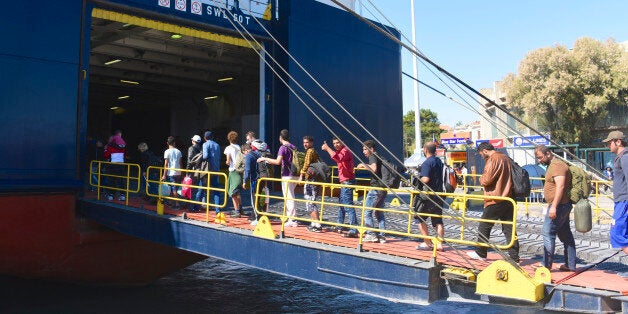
(213,286)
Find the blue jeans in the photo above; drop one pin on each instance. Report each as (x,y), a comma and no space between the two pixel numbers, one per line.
(346,197)
(201,193)
(559,226)
(375,199)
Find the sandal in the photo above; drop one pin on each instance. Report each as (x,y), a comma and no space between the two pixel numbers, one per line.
(537,265)
(565,268)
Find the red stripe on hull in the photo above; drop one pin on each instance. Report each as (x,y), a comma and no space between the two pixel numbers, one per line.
(41,237)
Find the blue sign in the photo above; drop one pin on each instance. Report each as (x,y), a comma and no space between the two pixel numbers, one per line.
(477,142)
(453,141)
(530,140)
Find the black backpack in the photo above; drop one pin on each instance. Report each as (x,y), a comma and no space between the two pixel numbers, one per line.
(520,180)
(319,171)
(154,160)
(390,174)
(265,170)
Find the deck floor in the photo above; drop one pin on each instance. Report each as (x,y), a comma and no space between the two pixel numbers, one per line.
(593,278)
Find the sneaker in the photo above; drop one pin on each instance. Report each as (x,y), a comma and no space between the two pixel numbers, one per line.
(291,223)
(236,214)
(110,197)
(254,223)
(382,239)
(314,229)
(121,198)
(350,234)
(424,247)
(370,238)
(335,229)
(475,256)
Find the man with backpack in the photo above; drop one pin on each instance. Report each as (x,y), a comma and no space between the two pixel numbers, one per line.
(497,181)
(234,180)
(310,190)
(284,159)
(431,175)
(375,197)
(195,155)
(616,142)
(556,190)
(147,159)
(251,174)
(210,162)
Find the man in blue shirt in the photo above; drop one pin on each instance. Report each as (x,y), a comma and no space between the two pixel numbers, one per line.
(432,176)
(616,141)
(211,156)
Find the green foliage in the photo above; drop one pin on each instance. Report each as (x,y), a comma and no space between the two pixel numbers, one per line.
(429,126)
(568,91)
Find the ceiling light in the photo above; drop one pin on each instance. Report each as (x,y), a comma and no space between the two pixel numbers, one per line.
(114,108)
(124,97)
(175,36)
(210,97)
(225,79)
(130,82)
(127,25)
(110,62)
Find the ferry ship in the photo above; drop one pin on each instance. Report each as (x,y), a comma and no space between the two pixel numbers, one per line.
(76,70)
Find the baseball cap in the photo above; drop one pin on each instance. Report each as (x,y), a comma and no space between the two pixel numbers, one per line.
(196,138)
(614,135)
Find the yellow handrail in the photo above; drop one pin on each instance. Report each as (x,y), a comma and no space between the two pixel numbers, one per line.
(222,177)
(537,198)
(360,210)
(133,173)
(102,177)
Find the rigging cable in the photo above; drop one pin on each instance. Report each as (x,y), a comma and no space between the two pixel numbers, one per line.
(356,155)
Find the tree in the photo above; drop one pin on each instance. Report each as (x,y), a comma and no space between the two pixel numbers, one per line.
(567,91)
(430,126)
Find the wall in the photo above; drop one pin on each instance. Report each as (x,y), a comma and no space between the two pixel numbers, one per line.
(40,81)
(360,68)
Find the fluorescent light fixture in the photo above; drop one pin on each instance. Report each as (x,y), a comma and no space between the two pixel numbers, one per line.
(130,82)
(225,79)
(175,36)
(210,97)
(127,25)
(124,97)
(114,108)
(110,62)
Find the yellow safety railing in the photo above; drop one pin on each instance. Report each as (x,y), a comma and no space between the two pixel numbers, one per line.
(109,173)
(598,196)
(207,187)
(365,178)
(471,181)
(323,204)
(537,198)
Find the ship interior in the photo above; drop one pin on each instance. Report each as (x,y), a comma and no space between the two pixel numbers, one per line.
(152,83)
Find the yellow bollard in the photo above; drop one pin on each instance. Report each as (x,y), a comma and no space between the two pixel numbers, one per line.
(160,207)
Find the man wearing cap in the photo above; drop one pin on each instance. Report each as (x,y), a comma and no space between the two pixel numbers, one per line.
(616,142)
(194,163)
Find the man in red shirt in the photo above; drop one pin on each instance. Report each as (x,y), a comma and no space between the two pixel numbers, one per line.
(346,176)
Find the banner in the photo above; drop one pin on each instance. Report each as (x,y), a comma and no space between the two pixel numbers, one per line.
(530,140)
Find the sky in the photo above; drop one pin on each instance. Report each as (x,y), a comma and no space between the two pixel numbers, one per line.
(480,42)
